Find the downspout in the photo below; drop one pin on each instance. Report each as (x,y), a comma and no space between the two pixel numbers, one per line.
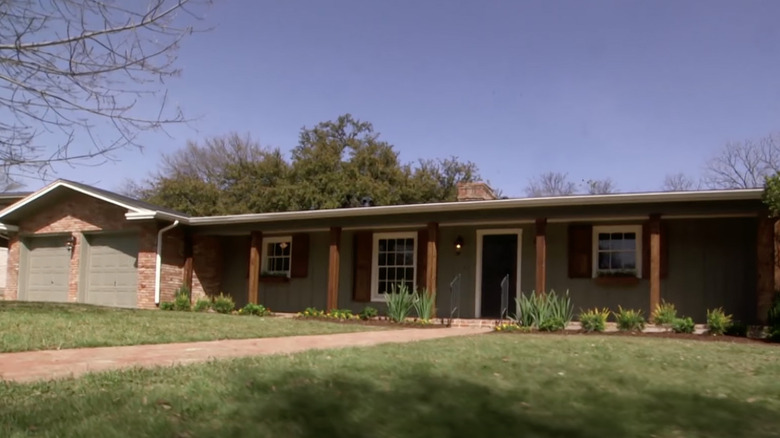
(158,267)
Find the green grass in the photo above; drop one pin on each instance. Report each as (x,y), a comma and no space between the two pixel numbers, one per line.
(37,326)
(488,386)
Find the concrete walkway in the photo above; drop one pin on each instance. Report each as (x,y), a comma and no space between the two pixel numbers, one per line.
(51,364)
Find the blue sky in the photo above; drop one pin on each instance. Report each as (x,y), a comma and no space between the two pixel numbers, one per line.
(630,90)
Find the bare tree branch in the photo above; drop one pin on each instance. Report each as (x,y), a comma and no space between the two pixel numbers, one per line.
(600,186)
(744,164)
(678,182)
(73,72)
(550,184)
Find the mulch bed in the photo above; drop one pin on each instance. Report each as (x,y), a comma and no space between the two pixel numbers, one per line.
(380,322)
(666,335)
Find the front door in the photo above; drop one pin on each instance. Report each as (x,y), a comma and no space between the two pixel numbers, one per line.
(499,258)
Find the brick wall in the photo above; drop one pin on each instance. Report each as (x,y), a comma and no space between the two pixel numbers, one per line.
(206,266)
(75,213)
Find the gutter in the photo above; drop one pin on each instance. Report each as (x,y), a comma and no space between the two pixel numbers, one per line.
(158,265)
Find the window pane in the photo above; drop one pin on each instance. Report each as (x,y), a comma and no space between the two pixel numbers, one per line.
(399,274)
(390,260)
(287,246)
(382,274)
(410,244)
(391,245)
(410,286)
(391,274)
(382,287)
(409,259)
(603,241)
(382,246)
(279,264)
(286,264)
(604,260)
(382,259)
(409,274)
(627,260)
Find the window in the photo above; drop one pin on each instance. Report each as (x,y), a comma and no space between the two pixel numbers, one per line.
(277,256)
(394,263)
(617,251)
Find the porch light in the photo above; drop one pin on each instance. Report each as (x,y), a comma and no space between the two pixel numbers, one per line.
(70,243)
(458,245)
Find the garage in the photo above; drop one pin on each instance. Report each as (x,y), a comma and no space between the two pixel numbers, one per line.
(48,267)
(110,270)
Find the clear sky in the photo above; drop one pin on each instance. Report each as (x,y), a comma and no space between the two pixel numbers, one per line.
(630,90)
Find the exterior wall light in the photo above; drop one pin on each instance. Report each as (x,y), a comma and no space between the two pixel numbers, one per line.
(70,243)
(458,245)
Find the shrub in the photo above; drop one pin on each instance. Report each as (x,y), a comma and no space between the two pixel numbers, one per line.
(773,318)
(664,313)
(254,309)
(594,320)
(312,312)
(223,303)
(399,302)
(509,327)
(629,319)
(683,325)
(340,314)
(166,305)
(202,305)
(424,304)
(737,328)
(543,311)
(368,312)
(717,321)
(182,302)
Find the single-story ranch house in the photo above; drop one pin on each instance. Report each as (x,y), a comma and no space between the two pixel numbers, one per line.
(69,242)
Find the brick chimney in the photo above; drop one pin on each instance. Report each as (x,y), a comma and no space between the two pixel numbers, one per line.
(475,191)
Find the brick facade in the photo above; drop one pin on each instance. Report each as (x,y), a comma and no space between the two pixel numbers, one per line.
(207,266)
(75,214)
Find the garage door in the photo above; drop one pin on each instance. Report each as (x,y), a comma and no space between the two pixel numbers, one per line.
(112,270)
(48,268)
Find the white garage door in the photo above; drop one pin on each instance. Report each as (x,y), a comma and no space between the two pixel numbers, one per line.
(112,270)
(47,270)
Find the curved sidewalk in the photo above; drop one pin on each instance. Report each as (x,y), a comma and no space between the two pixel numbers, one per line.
(51,364)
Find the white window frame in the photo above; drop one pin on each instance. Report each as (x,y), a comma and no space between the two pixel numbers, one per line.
(637,229)
(375,295)
(264,257)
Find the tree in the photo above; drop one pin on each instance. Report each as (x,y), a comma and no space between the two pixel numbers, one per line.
(340,163)
(772,194)
(72,73)
(551,184)
(678,182)
(744,164)
(600,186)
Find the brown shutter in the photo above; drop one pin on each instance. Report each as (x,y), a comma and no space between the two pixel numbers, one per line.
(422,258)
(646,251)
(363,253)
(300,256)
(580,251)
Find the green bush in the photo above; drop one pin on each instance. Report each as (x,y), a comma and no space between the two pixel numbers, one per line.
(340,314)
(312,312)
(254,309)
(399,302)
(664,313)
(594,320)
(717,321)
(543,311)
(202,305)
(552,324)
(629,320)
(368,312)
(182,302)
(223,303)
(424,304)
(166,305)
(737,328)
(683,325)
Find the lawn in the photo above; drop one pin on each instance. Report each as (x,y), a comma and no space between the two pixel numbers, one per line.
(486,386)
(38,326)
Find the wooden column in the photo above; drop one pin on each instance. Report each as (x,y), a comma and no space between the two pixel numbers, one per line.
(254,266)
(766,265)
(432,263)
(541,256)
(186,279)
(333,268)
(655,260)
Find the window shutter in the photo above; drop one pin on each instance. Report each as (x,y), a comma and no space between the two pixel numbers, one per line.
(299,265)
(422,258)
(646,251)
(363,254)
(580,251)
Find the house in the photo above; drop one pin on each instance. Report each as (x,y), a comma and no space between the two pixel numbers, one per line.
(699,250)
(6,199)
